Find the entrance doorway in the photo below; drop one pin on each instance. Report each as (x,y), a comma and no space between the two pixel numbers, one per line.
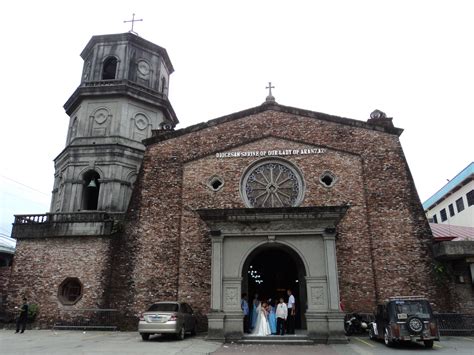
(270,271)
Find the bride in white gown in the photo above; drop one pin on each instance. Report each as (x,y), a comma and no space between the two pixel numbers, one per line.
(262,327)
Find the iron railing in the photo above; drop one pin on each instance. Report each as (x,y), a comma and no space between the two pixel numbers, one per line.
(455,323)
(94,318)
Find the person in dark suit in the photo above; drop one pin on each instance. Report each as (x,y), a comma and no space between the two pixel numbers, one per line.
(22,317)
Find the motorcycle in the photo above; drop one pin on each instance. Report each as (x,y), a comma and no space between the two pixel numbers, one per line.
(354,324)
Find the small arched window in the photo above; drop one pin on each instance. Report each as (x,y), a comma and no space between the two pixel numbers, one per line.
(74,128)
(163,85)
(91,187)
(109,69)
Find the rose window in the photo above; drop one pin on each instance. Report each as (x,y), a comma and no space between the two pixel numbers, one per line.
(272,184)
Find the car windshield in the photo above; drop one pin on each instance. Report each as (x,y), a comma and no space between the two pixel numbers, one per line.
(413,308)
(163,307)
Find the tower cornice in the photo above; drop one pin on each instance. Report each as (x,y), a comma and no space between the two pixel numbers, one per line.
(109,88)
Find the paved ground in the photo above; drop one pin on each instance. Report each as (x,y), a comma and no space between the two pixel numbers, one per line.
(356,346)
(49,342)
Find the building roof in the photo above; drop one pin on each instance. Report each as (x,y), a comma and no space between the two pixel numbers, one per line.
(7,245)
(452,186)
(442,232)
(160,136)
(131,37)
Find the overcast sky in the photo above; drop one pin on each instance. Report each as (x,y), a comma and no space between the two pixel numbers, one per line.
(412,59)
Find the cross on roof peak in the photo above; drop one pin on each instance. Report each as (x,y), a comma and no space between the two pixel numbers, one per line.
(133,23)
(270,97)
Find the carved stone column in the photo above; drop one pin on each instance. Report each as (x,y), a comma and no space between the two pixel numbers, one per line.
(335,317)
(216,316)
(233,322)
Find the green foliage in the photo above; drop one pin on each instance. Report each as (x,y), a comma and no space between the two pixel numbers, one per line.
(33,310)
(441,272)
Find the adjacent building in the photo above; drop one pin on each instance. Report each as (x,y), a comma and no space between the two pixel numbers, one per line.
(454,203)
(451,215)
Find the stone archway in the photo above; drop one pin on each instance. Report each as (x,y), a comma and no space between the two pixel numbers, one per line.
(306,234)
(270,270)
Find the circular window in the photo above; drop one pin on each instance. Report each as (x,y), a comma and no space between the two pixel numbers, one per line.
(70,291)
(143,67)
(272,183)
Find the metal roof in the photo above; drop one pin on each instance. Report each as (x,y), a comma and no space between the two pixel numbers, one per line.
(449,232)
(452,185)
(7,245)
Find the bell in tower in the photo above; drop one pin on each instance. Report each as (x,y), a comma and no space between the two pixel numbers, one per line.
(122,98)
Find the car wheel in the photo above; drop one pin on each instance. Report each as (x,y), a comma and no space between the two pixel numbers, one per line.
(181,334)
(386,338)
(428,343)
(415,325)
(145,336)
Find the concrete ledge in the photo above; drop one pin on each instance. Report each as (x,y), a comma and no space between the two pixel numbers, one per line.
(453,250)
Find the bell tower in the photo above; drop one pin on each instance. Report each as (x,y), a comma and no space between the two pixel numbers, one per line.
(122,97)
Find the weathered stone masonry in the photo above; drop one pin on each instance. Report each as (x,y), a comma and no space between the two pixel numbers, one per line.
(383,242)
(164,249)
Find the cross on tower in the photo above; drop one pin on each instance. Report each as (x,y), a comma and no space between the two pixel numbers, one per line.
(133,22)
(270,87)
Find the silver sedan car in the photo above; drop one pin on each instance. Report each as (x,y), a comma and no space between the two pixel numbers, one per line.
(167,318)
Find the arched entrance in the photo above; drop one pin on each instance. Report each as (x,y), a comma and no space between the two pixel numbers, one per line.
(283,245)
(269,271)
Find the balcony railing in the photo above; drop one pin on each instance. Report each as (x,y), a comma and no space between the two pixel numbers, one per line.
(67,217)
(117,82)
(87,223)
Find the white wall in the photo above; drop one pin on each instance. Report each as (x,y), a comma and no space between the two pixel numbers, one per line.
(464,218)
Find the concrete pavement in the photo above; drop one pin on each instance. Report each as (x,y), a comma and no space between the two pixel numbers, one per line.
(47,342)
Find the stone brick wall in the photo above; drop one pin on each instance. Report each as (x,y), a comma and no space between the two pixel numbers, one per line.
(40,265)
(383,247)
(5,273)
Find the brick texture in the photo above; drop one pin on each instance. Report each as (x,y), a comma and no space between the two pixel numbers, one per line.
(163,251)
(383,248)
(40,266)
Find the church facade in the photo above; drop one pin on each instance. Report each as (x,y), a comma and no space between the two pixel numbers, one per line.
(260,201)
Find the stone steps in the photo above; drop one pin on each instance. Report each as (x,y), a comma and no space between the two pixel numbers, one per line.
(276,339)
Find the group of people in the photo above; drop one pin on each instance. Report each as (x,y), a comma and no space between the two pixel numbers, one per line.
(266,318)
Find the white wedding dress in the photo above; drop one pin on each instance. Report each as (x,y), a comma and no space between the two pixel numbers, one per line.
(262,327)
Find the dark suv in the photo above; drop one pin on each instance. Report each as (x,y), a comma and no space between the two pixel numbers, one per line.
(404,319)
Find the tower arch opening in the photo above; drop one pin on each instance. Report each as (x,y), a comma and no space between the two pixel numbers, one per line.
(270,271)
(91,187)
(109,68)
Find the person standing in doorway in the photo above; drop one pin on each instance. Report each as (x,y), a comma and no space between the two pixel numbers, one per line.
(255,305)
(245,309)
(290,328)
(281,314)
(22,316)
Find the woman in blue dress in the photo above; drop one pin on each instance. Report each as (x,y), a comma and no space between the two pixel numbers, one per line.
(272,317)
